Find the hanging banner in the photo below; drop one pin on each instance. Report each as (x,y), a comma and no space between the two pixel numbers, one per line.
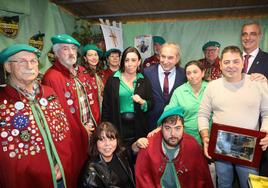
(144,44)
(9,26)
(37,41)
(112,35)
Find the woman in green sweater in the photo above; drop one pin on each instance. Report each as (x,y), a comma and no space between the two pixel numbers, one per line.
(189,96)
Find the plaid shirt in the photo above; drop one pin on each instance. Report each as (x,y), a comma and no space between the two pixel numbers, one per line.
(85,115)
(29,95)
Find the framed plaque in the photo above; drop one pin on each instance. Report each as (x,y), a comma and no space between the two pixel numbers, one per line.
(234,144)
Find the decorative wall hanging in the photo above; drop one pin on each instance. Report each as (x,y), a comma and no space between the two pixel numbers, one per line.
(144,44)
(113,34)
(51,56)
(9,26)
(37,41)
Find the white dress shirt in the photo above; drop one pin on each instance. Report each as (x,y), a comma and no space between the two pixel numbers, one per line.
(251,58)
(171,77)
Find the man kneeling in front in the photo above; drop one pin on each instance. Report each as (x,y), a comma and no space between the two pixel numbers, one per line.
(172,158)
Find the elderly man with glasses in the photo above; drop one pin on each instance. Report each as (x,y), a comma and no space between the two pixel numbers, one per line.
(35,136)
(211,60)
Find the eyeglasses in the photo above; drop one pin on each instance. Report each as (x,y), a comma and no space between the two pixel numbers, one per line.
(211,50)
(23,62)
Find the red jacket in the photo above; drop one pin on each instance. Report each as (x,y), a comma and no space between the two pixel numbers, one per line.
(212,71)
(105,75)
(24,153)
(190,164)
(59,78)
(154,59)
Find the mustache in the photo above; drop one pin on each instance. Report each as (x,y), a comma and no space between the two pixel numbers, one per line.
(72,56)
(28,72)
(173,138)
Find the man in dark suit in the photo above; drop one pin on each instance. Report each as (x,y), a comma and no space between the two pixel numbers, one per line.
(257,60)
(165,77)
(251,35)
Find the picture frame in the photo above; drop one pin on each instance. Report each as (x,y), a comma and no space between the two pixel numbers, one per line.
(236,145)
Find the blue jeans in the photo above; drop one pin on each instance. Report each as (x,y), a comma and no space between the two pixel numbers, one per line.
(60,183)
(224,171)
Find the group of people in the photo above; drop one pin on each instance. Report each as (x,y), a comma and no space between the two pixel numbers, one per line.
(134,124)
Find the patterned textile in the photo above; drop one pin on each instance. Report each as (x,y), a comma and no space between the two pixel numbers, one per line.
(83,103)
(29,95)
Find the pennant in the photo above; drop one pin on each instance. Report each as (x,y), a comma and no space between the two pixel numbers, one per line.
(112,35)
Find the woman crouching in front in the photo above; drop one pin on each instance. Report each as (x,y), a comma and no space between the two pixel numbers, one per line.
(108,164)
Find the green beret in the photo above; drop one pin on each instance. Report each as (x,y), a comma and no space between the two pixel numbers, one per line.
(16,48)
(158,39)
(112,50)
(211,43)
(64,39)
(170,112)
(92,47)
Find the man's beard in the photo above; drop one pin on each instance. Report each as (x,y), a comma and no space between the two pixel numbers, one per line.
(72,60)
(69,61)
(170,143)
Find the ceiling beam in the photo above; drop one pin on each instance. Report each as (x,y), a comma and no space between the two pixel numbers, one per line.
(180,11)
(66,2)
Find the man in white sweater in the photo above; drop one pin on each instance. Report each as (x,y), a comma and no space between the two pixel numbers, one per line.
(233,100)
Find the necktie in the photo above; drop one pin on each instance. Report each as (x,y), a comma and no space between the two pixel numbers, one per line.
(166,87)
(246,63)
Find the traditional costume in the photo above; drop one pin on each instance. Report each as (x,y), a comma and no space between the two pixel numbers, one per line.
(154,59)
(212,71)
(183,165)
(79,99)
(34,136)
(190,165)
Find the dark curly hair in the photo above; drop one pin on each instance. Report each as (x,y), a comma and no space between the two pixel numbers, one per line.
(99,68)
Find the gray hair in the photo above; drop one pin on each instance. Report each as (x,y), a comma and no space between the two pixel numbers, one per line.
(56,48)
(172,45)
(252,22)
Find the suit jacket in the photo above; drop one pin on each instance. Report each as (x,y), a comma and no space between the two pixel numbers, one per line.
(159,100)
(260,64)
